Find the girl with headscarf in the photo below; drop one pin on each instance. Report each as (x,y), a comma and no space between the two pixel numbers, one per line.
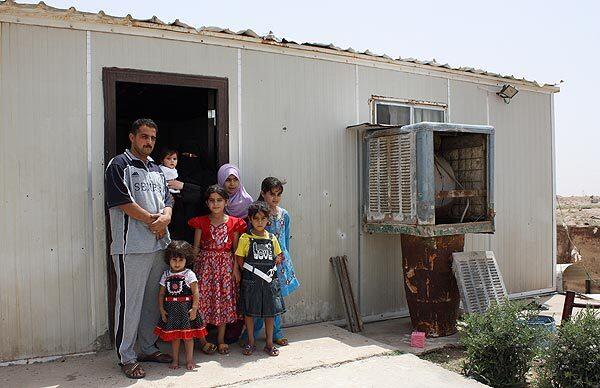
(239,199)
(228,177)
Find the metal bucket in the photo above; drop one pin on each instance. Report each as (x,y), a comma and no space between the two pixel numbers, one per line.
(431,290)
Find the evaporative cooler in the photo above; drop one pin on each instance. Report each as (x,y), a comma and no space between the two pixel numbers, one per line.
(431,183)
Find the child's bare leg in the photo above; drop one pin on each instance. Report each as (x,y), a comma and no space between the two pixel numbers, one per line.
(202,341)
(221,334)
(223,347)
(250,329)
(269,322)
(175,346)
(189,354)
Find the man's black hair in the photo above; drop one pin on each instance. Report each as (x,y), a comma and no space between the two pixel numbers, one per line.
(258,207)
(141,122)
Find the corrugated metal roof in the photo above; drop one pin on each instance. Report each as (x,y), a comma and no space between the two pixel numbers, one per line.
(270,38)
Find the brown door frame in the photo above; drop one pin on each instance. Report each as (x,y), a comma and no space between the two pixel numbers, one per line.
(110,77)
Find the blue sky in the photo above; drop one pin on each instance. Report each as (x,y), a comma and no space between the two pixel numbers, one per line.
(547,41)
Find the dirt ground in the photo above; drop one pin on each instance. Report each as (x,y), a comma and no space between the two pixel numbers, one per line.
(450,358)
(578,211)
(453,358)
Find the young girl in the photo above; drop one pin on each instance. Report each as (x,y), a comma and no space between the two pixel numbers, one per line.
(239,200)
(215,239)
(257,253)
(168,164)
(279,224)
(178,303)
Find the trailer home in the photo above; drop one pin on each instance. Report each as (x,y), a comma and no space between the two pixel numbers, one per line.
(72,82)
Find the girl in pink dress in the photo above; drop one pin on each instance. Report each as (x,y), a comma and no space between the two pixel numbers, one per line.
(215,240)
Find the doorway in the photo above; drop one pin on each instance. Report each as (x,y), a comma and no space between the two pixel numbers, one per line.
(191,113)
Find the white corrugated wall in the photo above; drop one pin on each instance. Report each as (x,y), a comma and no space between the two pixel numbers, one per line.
(295,111)
(45,288)
(291,113)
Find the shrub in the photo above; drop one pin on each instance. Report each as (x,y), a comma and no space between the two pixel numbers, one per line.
(573,359)
(500,345)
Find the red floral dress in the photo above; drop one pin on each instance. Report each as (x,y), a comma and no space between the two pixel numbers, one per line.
(214,269)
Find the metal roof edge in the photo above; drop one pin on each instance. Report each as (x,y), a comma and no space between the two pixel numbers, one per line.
(42,15)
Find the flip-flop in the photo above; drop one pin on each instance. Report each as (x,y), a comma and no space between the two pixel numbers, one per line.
(157,356)
(223,349)
(133,370)
(271,351)
(248,349)
(209,348)
(282,341)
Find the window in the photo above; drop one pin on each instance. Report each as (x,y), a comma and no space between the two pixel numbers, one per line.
(395,113)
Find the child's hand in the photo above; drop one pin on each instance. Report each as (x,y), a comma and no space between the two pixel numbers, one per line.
(279,259)
(193,313)
(237,276)
(163,315)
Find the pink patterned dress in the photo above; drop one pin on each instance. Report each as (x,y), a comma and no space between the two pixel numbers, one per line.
(214,268)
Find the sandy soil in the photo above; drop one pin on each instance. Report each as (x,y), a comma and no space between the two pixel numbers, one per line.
(578,211)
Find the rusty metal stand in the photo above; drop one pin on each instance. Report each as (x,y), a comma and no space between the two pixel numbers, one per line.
(431,290)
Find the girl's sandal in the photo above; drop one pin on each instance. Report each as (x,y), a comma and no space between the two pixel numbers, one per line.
(271,351)
(248,349)
(223,349)
(209,348)
(282,341)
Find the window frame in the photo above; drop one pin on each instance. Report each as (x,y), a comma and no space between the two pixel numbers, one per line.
(411,104)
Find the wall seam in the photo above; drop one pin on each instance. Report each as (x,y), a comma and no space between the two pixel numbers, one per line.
(91,259)
(239,105)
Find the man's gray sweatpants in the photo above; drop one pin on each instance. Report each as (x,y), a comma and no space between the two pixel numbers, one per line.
(136,305)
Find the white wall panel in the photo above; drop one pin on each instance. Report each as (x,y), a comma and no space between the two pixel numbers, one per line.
(523,191)
(44,284)
(295,113)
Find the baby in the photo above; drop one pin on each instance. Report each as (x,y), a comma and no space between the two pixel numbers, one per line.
(168,162)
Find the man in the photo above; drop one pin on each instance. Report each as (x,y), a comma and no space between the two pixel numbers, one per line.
(140,207)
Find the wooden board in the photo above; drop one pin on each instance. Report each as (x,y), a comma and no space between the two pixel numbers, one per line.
(353,318)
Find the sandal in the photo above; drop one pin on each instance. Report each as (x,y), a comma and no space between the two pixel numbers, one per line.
(157,356)
(209,348)
(282,341)
(271,351)
(223,349)
(248,349)
(133,370)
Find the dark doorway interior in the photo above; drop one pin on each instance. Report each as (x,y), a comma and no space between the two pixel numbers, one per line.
(192,117)
(186,123)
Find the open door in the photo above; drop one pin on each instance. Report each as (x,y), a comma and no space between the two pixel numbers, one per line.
(192,117)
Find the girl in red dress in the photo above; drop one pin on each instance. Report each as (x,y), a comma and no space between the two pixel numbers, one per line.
(215,240)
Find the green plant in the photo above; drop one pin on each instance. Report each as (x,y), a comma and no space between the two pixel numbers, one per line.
(573,359)
(500,345)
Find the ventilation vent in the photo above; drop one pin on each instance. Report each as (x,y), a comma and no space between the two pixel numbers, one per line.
(391,173)
(406,173)
(479,280)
